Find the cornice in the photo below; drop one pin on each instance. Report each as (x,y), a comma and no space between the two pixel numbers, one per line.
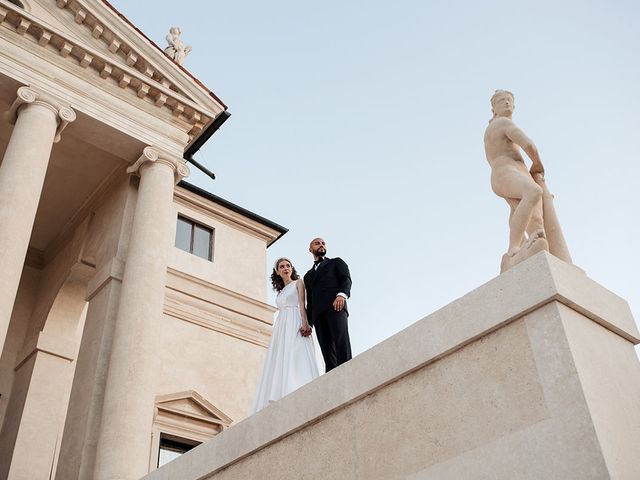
(211,306)
(128,67)
(215,414)
(107,14)
(213,290)
(212,319)
(191,200)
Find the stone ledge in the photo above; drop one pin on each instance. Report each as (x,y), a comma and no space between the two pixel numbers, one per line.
(482,311)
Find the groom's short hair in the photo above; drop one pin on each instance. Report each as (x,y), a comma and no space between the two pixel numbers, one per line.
(317,238)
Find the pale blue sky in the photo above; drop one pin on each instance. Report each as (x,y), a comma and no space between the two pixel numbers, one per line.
(362,122)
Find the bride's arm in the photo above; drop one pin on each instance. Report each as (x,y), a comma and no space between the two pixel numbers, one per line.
(305,329)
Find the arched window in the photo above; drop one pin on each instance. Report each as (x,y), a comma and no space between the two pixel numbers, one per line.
(17,2)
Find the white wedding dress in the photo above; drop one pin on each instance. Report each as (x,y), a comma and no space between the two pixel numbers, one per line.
(290,360)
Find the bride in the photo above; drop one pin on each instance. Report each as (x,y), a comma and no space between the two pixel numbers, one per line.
(291,360)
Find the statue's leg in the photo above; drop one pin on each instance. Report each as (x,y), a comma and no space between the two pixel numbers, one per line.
(535,241)
(557,243)
(513,204)
(537,221)
(529,193)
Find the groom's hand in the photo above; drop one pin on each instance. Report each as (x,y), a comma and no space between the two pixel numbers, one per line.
(338,303)
(305,330)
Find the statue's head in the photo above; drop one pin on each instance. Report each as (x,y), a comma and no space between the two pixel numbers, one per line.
(175,31)
(502,103)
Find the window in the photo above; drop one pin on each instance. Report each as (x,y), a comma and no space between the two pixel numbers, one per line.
(182,421)
(194,238)
(17,3)
(172,447)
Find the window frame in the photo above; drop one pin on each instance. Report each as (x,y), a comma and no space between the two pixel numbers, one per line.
(175,439)
(193,224)
(175,422)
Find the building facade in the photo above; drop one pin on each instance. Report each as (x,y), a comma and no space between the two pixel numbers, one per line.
(133,314)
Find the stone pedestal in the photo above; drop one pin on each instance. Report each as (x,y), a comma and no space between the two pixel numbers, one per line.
(533,375)
(39,119)
(124,441)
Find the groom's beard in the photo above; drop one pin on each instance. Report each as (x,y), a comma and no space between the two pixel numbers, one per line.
(320,253)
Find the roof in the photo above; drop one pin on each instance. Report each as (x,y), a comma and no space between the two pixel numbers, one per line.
(124,18)
(235,208)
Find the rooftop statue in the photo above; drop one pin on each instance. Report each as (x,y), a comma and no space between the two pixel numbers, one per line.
(533,223)
(176,49)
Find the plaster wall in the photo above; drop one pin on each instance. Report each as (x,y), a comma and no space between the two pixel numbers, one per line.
(220,361)
(11,426)
(107,245)
(25,300)
(238,256)
(82,425)
(221,368)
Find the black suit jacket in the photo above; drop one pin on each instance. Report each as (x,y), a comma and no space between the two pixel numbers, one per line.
(323,285)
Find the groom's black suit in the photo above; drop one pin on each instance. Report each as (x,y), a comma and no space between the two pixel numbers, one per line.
(323,283)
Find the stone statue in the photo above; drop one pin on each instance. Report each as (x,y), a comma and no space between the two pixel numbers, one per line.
(533,224)
(177,50)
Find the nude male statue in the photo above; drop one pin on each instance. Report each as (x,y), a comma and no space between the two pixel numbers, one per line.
(524,189)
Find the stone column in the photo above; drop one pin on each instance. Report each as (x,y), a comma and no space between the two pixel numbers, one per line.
(125,432)
(39,119)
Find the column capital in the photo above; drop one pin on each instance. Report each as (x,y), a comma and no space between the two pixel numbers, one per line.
(32,96)
(153,154)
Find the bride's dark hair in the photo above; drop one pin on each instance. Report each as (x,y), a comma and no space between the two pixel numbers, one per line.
(276,280)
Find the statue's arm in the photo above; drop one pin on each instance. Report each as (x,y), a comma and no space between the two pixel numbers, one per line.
(517,136)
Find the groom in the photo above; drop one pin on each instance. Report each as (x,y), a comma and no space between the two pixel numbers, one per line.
(328,285)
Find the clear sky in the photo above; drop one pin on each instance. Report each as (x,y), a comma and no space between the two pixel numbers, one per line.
(362,122)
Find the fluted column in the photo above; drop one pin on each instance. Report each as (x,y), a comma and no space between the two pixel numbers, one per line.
(125,432)
(39,119)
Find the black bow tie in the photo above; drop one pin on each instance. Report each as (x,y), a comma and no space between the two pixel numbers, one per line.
(318,261)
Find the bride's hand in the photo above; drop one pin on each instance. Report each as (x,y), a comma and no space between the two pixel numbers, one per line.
(305,330)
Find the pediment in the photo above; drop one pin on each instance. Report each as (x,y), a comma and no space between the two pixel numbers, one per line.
(100,42)
(191,404)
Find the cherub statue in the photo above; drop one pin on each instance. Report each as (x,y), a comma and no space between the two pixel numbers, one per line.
(177,50)
(533,224)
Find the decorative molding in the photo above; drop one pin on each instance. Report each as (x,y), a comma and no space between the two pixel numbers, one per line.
(32,96)
(211,209)
(214,414)
(56,346)
(217,308)
(216,290)
(174,416)
(112,270)
(246,330)
(127,67)
(152,154)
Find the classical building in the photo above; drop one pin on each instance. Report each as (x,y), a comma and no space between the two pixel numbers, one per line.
(132,304)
